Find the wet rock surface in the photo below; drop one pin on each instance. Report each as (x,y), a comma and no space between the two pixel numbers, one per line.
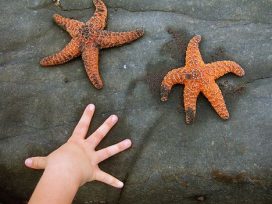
(211,161)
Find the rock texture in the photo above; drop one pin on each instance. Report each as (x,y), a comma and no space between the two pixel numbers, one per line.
(211,161)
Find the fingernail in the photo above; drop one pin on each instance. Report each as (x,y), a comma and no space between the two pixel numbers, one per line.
(114,118)
(28,162)
(120,184)
(128,142)
(91,107)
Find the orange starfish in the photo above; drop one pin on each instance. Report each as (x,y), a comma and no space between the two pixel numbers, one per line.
(199,77)
(87,39)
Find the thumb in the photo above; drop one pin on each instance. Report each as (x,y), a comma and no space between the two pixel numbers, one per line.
(36,162)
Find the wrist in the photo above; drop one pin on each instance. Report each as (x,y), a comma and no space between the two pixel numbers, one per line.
(67,176)
(55,186)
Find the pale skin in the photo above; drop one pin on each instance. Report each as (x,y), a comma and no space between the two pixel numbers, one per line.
(75,162)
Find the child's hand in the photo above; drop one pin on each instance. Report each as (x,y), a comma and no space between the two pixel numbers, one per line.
(77,158)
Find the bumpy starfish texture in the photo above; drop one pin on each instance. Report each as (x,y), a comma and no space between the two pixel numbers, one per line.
(199,77)
(87,39)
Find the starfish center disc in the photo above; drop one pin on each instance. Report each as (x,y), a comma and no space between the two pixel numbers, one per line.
(85,31)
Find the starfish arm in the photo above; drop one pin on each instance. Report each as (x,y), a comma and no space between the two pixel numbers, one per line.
(70,25)
(172,78)
(215,97)
(90,58)
(191,92)
(218,69)
(99,19)
(107,39)
(193,55)
(70,51)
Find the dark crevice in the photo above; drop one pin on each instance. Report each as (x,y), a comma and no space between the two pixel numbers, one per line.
(140,148)
(257,79)
(76,9)
(238,88)
(41,6)
(9,137)
(7,197)
(169,11)
(23,44)
(37,129)
(46,5)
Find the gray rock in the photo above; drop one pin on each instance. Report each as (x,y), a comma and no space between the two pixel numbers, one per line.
(211,161)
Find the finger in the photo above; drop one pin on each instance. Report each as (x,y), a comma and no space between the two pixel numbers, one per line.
(108,179)
(36,162)
(101,132)
(82,127)
(112,150)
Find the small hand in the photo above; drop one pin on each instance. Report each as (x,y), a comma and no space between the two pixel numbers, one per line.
(77,157)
